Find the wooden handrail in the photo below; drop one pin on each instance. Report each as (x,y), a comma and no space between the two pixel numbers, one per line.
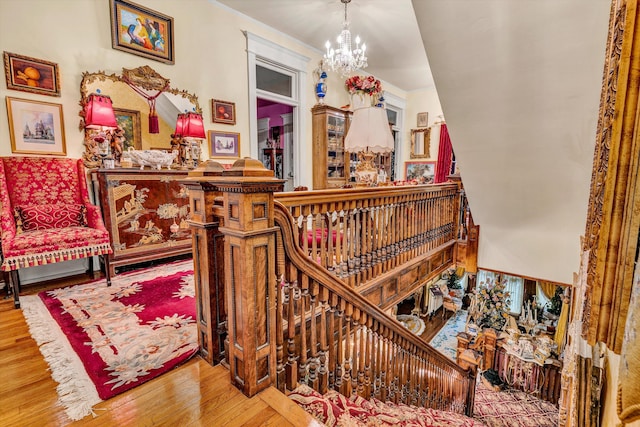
(330,337)
(358,234)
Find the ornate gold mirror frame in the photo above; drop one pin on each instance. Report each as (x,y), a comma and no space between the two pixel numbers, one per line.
(420,143)
(130,104)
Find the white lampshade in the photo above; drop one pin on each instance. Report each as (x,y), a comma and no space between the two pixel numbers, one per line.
(369,131)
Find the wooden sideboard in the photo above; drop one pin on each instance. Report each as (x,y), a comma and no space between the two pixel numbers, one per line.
(146,213)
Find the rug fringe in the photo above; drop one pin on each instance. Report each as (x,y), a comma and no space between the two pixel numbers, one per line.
(76,393)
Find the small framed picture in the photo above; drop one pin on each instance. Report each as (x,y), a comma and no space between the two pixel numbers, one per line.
(129,122)
(224,144)
(36,127)
(423,120)
(423,172)
(31,75)
(223,112)
(141,31)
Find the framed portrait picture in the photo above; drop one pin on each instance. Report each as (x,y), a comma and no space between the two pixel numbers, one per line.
(423,120)
(423,172)
(31,75)
(223,111)
(141,31)
(36,127)
(224,144)
(129,121)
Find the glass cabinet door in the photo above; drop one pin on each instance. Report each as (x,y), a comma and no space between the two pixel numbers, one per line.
(335,147)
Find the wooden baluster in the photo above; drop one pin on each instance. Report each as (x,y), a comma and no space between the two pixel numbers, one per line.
(340,354)
(361,354)
(322,354)
(313,363)
(346,376)
(369,357)
(280,293)
(333,347)
(304,298)
(291,368)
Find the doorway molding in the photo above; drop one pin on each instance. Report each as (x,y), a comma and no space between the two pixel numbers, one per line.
(261,51)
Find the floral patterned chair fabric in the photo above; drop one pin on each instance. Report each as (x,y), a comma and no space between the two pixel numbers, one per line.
(46,215)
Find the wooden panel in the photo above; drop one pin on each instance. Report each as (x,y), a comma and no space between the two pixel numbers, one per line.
(139,208)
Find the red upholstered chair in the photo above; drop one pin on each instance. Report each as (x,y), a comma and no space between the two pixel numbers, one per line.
(47,216)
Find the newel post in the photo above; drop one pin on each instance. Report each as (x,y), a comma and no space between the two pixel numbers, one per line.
(208,260)
(250,279)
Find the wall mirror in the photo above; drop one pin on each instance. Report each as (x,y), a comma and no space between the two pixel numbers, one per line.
(129,93)
(420,143)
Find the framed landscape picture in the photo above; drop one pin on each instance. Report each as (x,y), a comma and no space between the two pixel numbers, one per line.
(129,121)
(31,75)
(36,127)
(423,172)
(141,31)
(223,112)
(224,144)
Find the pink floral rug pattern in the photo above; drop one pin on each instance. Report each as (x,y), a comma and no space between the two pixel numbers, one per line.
(123,335)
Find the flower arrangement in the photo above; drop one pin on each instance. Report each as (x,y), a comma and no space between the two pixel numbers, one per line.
(368,85)
(493,304)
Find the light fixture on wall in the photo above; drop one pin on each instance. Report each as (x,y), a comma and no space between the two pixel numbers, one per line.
(190,128)
(99,116)
(343,59)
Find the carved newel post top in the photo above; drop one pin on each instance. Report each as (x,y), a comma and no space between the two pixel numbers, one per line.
(249,167)
(208,168)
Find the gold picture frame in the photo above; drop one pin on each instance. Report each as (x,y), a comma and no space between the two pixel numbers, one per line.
(36,127)
(32,75)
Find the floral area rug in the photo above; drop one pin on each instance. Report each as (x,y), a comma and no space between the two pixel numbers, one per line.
(334,409)
(445,341)
(512,408)
(100,341)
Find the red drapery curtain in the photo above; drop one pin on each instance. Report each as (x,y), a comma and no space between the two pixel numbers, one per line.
(444,155)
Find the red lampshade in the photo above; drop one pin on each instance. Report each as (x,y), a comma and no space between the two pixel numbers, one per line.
(192,126)
(98,112)
(179,124)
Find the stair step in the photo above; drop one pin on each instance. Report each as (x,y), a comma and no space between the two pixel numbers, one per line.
(332,407)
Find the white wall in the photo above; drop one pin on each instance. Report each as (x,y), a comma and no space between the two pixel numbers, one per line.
(519,84)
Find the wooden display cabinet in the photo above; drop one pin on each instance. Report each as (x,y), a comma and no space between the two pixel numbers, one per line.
(146,213)
(330,162)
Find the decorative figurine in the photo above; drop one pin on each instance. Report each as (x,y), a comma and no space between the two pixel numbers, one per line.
(321,86)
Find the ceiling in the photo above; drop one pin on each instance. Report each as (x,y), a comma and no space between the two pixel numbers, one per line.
(389,28)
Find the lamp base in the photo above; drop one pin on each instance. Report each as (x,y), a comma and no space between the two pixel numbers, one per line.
(366,172)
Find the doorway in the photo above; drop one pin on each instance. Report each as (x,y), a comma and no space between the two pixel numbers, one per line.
(275,139)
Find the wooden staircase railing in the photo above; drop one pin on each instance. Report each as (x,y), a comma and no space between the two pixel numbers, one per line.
(359,234)
(329,337)
(288,318)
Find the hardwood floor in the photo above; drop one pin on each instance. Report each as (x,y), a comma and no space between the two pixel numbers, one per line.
(191,395)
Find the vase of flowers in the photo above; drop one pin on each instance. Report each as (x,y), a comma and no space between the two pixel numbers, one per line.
(364,91)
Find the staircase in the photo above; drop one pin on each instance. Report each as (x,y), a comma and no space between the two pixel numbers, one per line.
(333,409)
(307,277)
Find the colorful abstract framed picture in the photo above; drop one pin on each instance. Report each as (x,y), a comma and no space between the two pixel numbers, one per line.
(223,112)
(224,144)
(31,75)
(141,31)
(423,172)
(36,127)
(129,122)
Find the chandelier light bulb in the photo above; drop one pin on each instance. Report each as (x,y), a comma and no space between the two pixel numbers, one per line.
(344,59)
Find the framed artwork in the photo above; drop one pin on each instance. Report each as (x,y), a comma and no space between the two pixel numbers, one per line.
(224,144)
(36,127)
(423,120)
(141,31)
(223,112)
(31,75)
(129,121)
(423,172)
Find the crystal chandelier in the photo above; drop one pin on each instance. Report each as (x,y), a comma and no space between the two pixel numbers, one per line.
(343,59)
